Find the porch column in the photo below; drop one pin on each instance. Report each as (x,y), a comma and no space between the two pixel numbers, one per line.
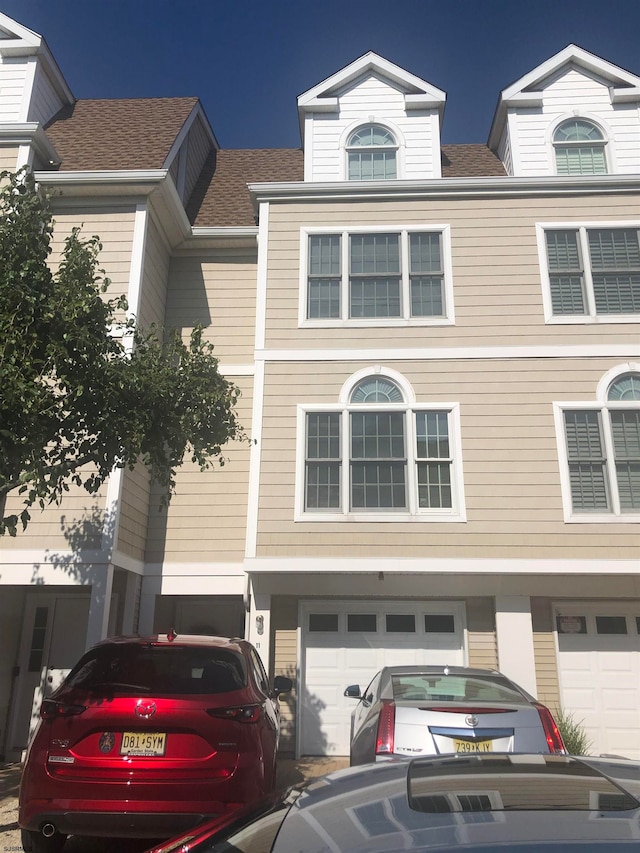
(99,605)
(259,624)
(514,635)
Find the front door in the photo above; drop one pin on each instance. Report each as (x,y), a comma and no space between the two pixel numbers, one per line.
(53,638)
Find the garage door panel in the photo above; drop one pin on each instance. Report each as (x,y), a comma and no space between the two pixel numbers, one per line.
(599,670)
(334,659)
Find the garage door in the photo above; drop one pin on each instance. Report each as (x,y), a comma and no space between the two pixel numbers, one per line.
(599,664)
(348,642)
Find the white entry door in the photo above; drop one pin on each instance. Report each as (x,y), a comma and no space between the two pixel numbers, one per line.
(53,638)
(347,642)
(599,668)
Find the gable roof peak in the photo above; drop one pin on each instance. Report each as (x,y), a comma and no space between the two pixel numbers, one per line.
(419,94)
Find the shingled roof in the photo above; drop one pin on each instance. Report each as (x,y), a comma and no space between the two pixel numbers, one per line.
(136,133)
(130,134)
(221,196)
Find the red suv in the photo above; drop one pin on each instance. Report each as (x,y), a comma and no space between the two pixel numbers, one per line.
(148,736)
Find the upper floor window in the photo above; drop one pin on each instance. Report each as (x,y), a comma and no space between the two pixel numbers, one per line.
(602,447)
(373,276)
(378,453)
(372,154)
(579,147)
(593,271)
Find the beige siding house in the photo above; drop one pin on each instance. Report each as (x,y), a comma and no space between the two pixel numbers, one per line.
(437,348)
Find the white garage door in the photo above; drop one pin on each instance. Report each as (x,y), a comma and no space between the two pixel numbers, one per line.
(347,642)
(599,663)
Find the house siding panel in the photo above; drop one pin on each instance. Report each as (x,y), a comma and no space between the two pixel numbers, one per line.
(496,272)
(45,102)
(218,291)
(13,79)
(481,633)
(155,277)
(546,656)
(8,158)
(206,519)
(134,512)
(508,438)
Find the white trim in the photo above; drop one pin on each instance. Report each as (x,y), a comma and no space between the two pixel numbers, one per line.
(468,188)
(451,567)
(255,458)
(262,276)
(628,350)
(610,376)
(406,320)
(237,369)
(608,140)
(307,144)
(136,271)
(615,515)
(582,228)
(29,88)
(399,147)
(409,407)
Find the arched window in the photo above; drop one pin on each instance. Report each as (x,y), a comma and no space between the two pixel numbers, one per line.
(379,452)
(371,154)
(579,147)
(603,450)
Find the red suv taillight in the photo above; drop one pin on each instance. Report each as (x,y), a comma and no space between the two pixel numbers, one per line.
(51,709)
(551,730)
(386,728)
(244,714)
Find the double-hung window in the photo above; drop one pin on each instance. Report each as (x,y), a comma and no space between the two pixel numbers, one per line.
(590,272)
(601,449)
(378,454)
(386,276)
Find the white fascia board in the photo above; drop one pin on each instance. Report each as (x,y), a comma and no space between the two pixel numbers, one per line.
(445,566)
(554,185)
(370,62)
(30,133)
(219,238)
(515,94)
(627,95)
(574,54)
(24,41)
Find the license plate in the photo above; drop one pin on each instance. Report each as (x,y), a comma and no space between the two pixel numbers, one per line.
(143,743)
(472,745)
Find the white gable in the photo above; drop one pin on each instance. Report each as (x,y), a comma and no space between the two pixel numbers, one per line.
(572,84)
(32,88)
(371,90)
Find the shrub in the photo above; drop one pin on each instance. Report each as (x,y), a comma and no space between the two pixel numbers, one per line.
(573,733)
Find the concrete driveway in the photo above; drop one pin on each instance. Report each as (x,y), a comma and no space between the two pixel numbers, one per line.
(290,772)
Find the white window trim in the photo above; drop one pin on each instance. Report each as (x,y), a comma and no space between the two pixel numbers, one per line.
(457,512)
(387,125)
(607,139)
(615,516)
(366,322)
(578,319)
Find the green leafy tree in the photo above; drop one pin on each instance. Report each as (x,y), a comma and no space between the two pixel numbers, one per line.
(81,394)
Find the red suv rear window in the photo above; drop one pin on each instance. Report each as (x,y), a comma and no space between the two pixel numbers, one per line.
(159,670)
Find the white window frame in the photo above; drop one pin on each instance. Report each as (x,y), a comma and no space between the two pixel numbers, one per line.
(600,143)
(413,513)
(582,228)
(604,406)
(344,321)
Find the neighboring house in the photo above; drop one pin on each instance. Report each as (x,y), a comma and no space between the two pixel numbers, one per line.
(438,351)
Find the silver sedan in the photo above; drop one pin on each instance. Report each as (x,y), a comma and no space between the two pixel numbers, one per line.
(413,711)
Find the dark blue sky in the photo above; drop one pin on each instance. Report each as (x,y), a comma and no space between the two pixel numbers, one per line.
(248,60)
